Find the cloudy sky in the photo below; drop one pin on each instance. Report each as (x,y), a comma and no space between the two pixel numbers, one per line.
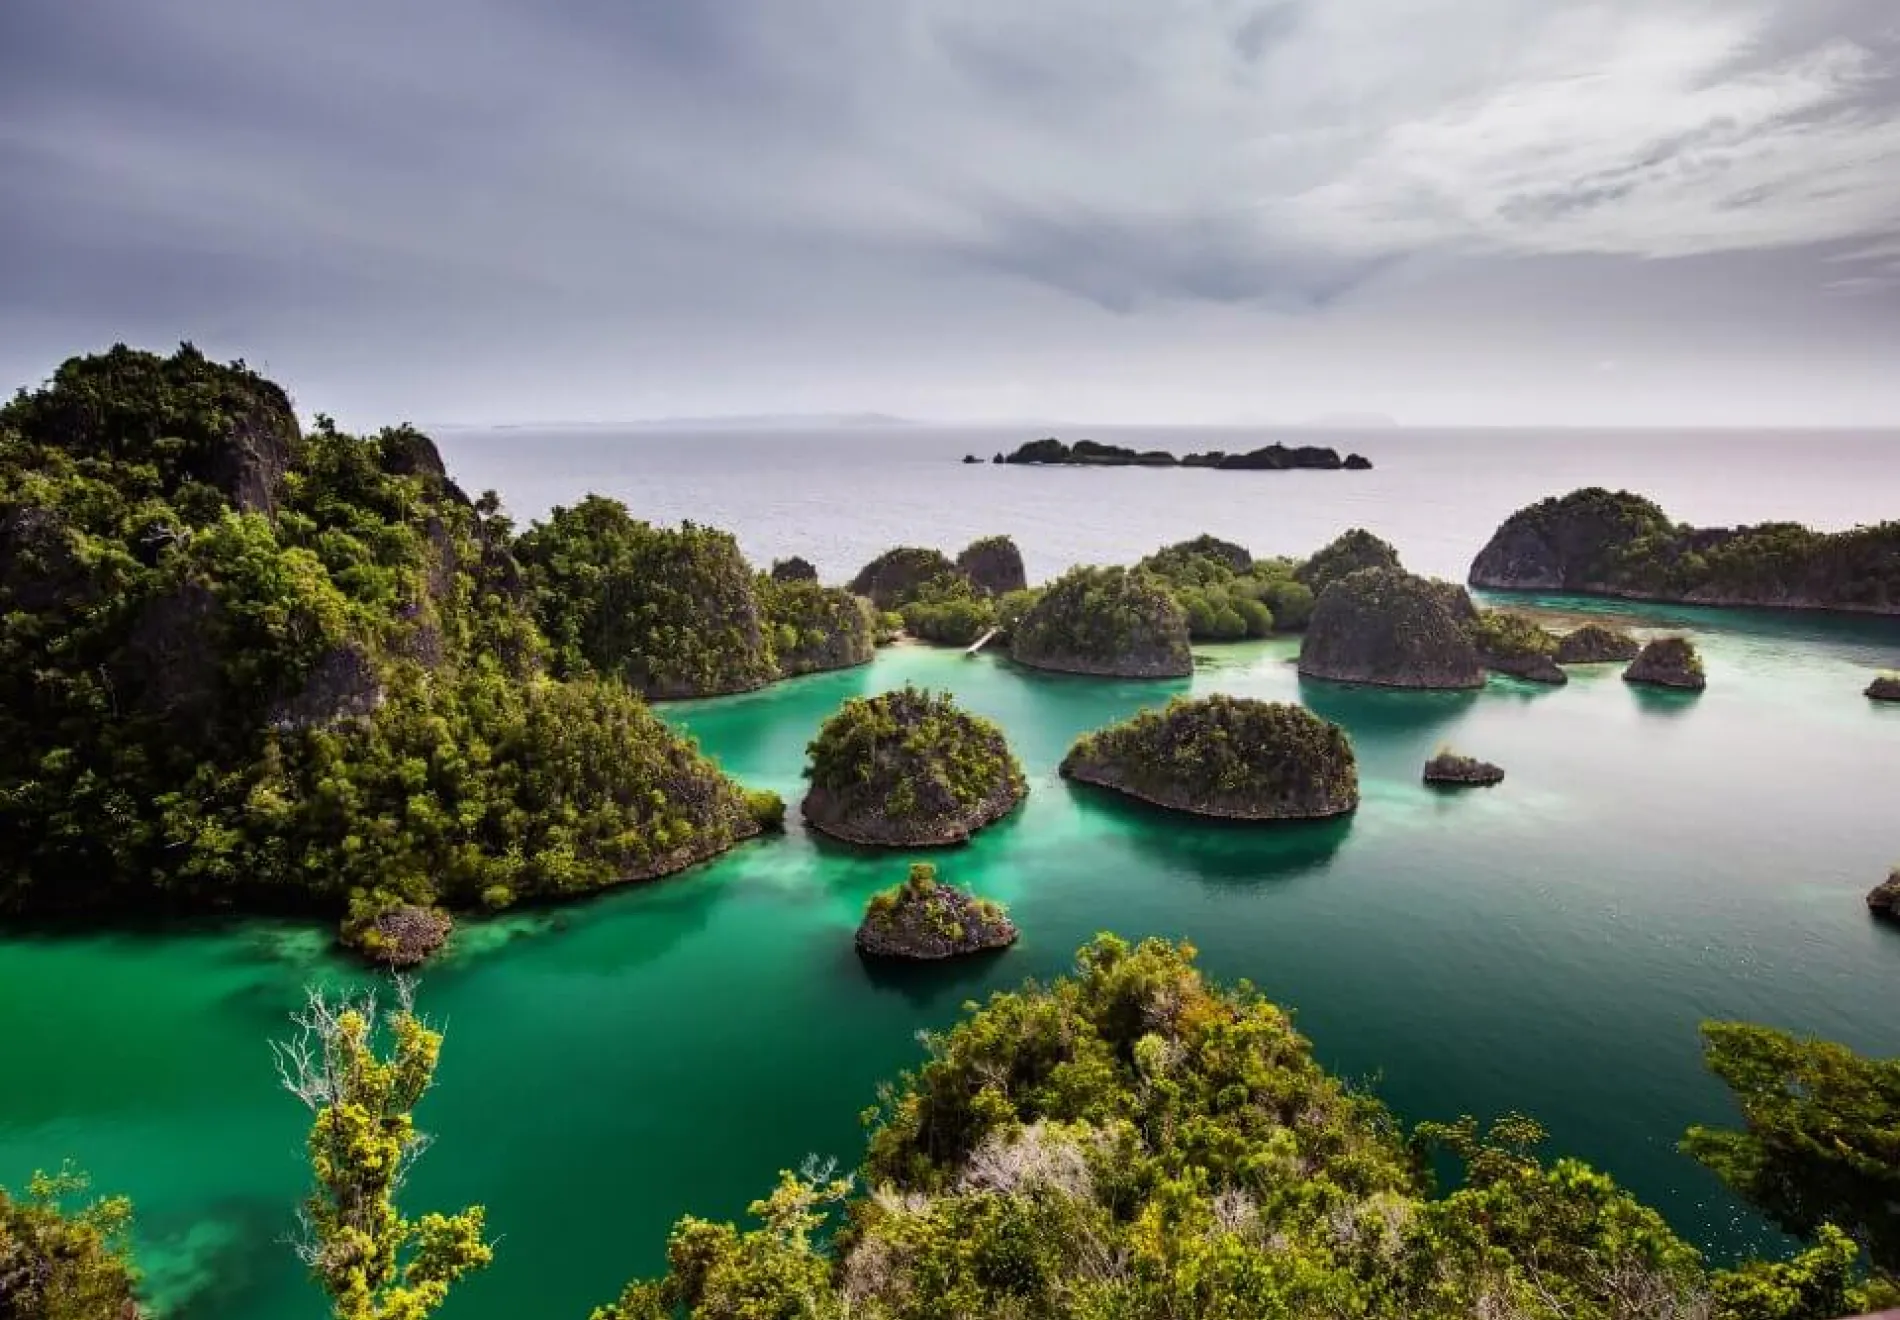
(1629,211)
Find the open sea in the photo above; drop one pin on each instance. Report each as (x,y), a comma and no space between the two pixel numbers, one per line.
(1548,946)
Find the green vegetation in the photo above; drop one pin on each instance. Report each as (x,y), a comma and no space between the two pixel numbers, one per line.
(248,668)
(949,610)
(1224,756)
(61,1261)
(1668,662)
(1594,643)
(1820,1138)
(1515,644)
(909,767)
(894,577)
(1346,554)
(674,612)
(371,1260)
(1386,627)
(812,628)
(1135,1142)
(1105,621)
(1617,543)
(1227,594)
(925,919)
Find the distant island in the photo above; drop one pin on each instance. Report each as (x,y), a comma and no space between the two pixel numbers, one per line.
(1051,452)
(1613,543)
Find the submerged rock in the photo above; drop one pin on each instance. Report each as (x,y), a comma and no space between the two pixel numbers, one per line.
(1884,901)
(1228,757)
(1597,644)
(1461,771)
(401,937)
(1107,622)
(1670,662)
(925,919)
(1884,688)
(909,769)
(1387,628)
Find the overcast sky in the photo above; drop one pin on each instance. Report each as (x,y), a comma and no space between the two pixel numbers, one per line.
(1668,211)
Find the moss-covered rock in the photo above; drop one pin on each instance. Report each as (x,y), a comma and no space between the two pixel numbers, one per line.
(1108,622)
(1385,627)
(924,919)
(1452,770)
(1601,542)
(1517,645)
(672,611)
(1597,644)
(1670,662)
(1884,900)
(401,936)
(1227,757)
(893,579)
(994,565)
(1885,687)
(909,768)
(813,628)
(1346,554)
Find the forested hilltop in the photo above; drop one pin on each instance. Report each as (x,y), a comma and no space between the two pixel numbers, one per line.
(246,667)
(1613,543)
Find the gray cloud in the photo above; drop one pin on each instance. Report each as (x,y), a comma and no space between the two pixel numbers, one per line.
(761,204)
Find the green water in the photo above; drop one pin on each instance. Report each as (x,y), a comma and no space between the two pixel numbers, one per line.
(1549,945)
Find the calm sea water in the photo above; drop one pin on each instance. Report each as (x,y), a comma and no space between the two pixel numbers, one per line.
(1548,946)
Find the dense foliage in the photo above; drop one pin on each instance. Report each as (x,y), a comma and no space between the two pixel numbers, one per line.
(1135,1142)
(949,610)
(1347,553)
(1224,756)
(362,1073)
(1105,621)
(1820,1136)
(1384,626)
(893,578)
(909,766)
(1596,643)
(1616,543)
(1227,594)
(672,611)
(812,627)
(243,666)
(65,1261)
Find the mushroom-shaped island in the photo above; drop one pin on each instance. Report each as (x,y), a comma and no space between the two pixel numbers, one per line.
(1453,770)
(1106,622)
(814,628)
(1387,628)
(1885,687)
(924,919)
(1668,662)
(1884,901)
(1231,758)
(909,769)
(1597,644)
(1517,645)
(994,565)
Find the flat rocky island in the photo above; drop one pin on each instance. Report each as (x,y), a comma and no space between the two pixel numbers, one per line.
(1051,452)
(1231,758)
(909,769)
(924,919)
(1613,543)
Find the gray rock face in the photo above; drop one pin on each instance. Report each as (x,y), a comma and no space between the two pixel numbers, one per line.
(1668,662)
(1452,770)
(343,685)
(1530,668)
(1386,628)
(893,577)
(994,564)
(250,465)
(172,663)
(1884,901)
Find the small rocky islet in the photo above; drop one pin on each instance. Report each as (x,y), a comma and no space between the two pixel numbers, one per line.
(1885,687)
(1226,758)
(1884,899)
(1668,662)
(925,920)
(909,768)
(1051,452)
(1385,627)
(1451,769)
(1597,644)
